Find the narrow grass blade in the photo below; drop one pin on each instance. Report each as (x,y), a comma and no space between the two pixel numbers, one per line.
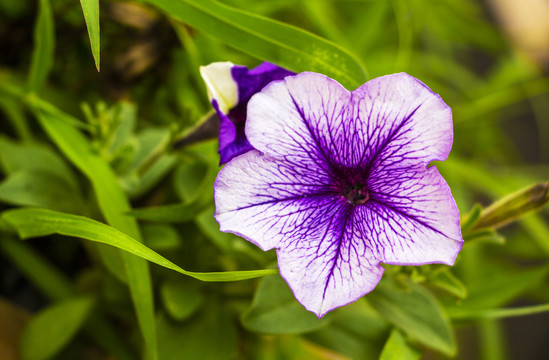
(91,15)
(266,39)
(44,47)
(31,223)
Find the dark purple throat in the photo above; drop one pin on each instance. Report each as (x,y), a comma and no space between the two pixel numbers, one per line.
(356,194)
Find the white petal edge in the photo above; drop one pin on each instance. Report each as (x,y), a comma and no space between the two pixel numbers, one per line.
(220,84)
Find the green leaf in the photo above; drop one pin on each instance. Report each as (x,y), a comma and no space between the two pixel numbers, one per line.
(40,222)
(149,141)
(483,236)
(125,118)
(189,176)
(275,310)
(266,39)
(471,218)
(175,213)
(211,335)
(38,104)
(41,189)
(228,243)
(445,280)
(113,204)
(50,330)
(356,330)
(17,157)
(160,236)
(396,348)
(153,174)
(150,162)
(44,47)
(405,34)
(181,298)
(14,9)
(44,275)
(378,15)
(91,15)
(360,318)
(415,311)
(56,286)
(14,112)
(499,98)
(316,11)
(198,190)
(495,287)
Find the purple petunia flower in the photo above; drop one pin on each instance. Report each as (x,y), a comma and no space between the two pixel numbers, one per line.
(339,182)
(230,87)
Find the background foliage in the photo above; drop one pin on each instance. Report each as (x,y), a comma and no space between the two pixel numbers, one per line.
(92,160)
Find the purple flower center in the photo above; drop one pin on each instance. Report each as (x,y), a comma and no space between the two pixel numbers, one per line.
(356,194)
(351,185)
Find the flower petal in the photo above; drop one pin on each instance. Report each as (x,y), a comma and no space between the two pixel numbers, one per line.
(333,265)
(294,118)
(264,200)
(227,130)
(238,146)
(392,116)
(411,217)
(220,84)
(397,119)
(274,204)
(252,81)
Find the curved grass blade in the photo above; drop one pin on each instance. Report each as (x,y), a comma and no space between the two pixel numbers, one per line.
(266,39)
(90,8)
(31,223)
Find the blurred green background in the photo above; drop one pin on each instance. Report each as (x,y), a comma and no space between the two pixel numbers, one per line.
(487,59)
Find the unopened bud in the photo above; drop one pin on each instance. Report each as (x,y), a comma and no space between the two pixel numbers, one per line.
(514,206)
